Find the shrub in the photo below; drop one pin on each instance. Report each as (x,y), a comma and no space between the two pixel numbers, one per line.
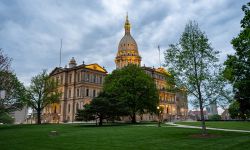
(214,117)
(6,118)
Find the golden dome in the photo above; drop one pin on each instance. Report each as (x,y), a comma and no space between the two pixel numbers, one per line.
(127,49)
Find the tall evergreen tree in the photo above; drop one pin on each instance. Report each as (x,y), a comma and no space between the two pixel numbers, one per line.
(237,69)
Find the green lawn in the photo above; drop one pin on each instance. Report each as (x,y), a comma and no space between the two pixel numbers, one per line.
(221,124)
(123,137)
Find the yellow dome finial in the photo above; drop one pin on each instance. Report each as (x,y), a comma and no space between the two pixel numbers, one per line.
(127,25)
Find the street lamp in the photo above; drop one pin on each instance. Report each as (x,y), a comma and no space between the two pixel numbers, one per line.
(59,118)
(170,116)
(159,123)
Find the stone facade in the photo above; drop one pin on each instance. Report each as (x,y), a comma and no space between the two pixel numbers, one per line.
(173,101)
(78,85)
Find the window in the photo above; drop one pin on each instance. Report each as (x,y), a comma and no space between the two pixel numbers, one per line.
(87,92)
(87,77)
(77,106)
(78,77)
(78,92)
(68,108)
(61,79)
(100,79)
(70,78)
(94,78)
(94,93)
(69,93)
(55,109)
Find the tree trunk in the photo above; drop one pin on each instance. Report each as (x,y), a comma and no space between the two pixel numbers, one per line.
(203,125)
(133,118)
(38,116)
(100,121)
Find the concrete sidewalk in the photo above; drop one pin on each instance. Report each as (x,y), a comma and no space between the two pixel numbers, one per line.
(196,127)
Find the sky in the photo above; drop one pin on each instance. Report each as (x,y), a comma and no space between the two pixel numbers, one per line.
(31,30)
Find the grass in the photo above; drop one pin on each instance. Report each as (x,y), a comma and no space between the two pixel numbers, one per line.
(139,137)
(221,124)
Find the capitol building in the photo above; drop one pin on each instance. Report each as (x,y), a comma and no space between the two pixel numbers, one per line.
(80,83)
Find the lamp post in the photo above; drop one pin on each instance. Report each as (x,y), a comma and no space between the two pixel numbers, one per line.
(170,116)
(59,116)
(159,123)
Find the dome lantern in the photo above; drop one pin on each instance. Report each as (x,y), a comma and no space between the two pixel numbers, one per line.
(72,62)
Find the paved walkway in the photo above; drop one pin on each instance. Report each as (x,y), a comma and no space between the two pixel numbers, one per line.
(196,127)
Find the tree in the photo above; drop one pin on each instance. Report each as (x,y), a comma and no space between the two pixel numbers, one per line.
(214,117)
(42,92)
(85,114)
(237,69)
(4,62)
(134,88)
(194,65)
(6,118)
(234,110)
(15,93)
(102,107)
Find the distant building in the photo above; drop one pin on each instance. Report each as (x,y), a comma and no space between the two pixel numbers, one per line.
(195,115)
(225,115)
(212,109)
(20,116)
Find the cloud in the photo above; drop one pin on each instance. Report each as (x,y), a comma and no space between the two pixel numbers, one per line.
(30,31)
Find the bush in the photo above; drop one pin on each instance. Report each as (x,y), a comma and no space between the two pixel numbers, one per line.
(214,117)
(6,118)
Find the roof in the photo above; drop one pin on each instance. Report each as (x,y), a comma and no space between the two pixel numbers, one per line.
(95,67)
(158,70)
(163,71)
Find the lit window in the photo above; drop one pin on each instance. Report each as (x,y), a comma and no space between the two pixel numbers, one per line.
(87,92)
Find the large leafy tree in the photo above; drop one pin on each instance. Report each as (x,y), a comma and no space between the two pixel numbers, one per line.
(14,90)
(42,92)
(194,64)
(234,110)
(15,96)
(237,69)
(105,106)
(133,87)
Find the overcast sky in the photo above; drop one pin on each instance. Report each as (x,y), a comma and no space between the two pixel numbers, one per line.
(30,30)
